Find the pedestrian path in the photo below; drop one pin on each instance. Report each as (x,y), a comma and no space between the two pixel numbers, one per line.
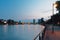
(52,35)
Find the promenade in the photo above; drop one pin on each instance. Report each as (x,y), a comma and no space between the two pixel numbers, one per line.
(52,35)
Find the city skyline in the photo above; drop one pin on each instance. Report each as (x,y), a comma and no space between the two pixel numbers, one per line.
(25,9)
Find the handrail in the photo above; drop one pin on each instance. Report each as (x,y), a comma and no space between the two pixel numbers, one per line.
(43,33)
(39,35)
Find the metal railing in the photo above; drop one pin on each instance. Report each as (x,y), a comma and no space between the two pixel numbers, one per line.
(38,36)
(41,34)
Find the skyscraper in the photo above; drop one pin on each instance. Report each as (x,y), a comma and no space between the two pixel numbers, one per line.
(33,21)
(39,21)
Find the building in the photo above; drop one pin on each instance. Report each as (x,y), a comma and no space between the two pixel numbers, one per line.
(39,21)
(34,21)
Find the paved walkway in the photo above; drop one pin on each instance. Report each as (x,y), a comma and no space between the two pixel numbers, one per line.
(49,35)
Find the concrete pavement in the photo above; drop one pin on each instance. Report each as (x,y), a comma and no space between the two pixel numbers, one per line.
(52,35)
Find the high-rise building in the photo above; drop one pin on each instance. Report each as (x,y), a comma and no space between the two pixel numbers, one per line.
(33,21)
(39,21)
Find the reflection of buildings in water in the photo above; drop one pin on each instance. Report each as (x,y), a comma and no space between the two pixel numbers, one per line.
(5,28)
(17,28)
(29,28)
(23,27)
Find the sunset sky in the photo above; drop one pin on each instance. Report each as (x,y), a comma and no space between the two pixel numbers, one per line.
(25,9)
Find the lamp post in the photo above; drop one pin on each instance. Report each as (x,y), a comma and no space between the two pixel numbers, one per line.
(53,6)
(52,19)
(53,9)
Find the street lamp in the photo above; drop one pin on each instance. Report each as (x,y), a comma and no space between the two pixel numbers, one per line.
(53,6)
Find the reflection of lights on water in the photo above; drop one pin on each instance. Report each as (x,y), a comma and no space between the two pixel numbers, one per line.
(23,27)
(28,27)
(17,29)
(5,28)
(16,25)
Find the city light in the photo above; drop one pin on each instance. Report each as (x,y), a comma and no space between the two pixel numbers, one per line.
(55,5)
(5,22)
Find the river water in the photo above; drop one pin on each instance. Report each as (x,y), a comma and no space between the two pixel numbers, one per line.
(19,32)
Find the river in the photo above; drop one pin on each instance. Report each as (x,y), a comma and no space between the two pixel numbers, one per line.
(19,32)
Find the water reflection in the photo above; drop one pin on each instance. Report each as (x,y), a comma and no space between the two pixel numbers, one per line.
(5,28)
(19,32)
(17,28)
(23,27)
(29,28)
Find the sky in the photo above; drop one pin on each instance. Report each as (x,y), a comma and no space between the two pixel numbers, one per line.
(25,9)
